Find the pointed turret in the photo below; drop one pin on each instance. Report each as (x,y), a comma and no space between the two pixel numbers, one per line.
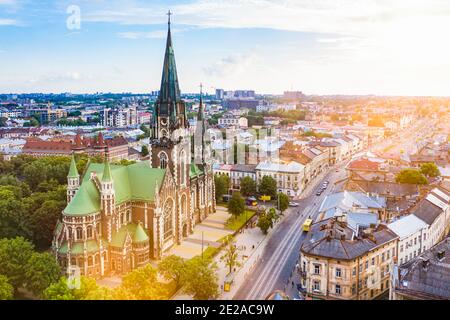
(73,180)
(107,177)
(73,171)
(200,133)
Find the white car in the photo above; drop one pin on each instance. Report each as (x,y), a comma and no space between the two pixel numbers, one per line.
(293,204)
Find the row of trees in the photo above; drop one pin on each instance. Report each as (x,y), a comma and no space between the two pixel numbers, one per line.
(196,277)
(33,195)
(267,186)
(22,267)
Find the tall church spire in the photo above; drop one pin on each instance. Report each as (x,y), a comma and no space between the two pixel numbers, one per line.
(170,91)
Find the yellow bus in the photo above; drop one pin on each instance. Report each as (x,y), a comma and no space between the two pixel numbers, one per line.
(307,225)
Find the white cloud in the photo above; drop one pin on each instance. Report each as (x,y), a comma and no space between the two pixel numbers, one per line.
(231,65)
(8,22)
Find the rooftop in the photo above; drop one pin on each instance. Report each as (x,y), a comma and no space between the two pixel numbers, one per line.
(428,275)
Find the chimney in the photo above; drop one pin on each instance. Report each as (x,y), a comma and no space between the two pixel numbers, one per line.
(441,255)
(425,263)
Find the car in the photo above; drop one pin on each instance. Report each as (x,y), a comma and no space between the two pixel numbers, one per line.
(319,192)
(293,204)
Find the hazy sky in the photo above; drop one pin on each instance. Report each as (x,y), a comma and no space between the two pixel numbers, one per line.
(392,47)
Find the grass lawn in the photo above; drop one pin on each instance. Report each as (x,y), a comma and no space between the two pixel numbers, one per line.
(237,223)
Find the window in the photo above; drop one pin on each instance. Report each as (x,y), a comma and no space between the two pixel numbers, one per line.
(316,269)
(338,289)
(360,267)
(382,257)
(183,168)
(388,254)
(415,241)
(316,285)
(79,233)
(89,231)
(163,160)
(401,260)
(304,266)
(367,264)
(168,211)
(354,271)
(354,288)
(373,261)
(338,272)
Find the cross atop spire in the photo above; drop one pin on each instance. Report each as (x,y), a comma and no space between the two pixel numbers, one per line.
(169,14)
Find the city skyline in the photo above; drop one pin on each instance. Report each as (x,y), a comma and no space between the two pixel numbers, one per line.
(321,47)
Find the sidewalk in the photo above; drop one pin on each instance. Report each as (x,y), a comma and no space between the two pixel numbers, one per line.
(212,229)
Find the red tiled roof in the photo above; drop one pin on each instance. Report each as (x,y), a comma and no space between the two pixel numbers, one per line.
(363,164)
(36,145)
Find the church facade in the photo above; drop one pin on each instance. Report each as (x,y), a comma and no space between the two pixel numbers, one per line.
(118,218)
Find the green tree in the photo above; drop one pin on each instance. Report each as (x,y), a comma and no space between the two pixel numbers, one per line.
(144,151)
(236,206)
(411,176)
(43,221)
(264,222)
(230,257)
(12,213)
(58,291)
(172,268)
(430,170)
(3,121)
(142,284)
(272,215)
(282,202)
(222,183)
(268,186)
(42,271)
(248,187)
(201,279)
(6,289)
(14,256)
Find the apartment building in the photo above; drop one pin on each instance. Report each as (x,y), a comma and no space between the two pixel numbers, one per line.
(411,232)
(289,176)
(338,262)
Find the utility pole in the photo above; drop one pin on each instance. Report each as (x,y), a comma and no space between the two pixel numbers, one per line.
(202,245)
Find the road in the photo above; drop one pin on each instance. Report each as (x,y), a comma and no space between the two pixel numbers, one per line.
(281,253)
(273,270)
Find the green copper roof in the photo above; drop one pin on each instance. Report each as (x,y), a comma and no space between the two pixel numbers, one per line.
(106,172)
(133,182)
(73,172)
(170,91)
(78,247)
(195,171)
(136,232)
(86,201)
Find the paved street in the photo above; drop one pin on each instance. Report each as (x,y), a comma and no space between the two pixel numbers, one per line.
(281,253)
(274,271)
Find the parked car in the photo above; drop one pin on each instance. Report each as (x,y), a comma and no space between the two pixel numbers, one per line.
(293,204)
(251,201)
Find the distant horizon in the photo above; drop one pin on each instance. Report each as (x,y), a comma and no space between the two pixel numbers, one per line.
(213,93)
(321,47)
